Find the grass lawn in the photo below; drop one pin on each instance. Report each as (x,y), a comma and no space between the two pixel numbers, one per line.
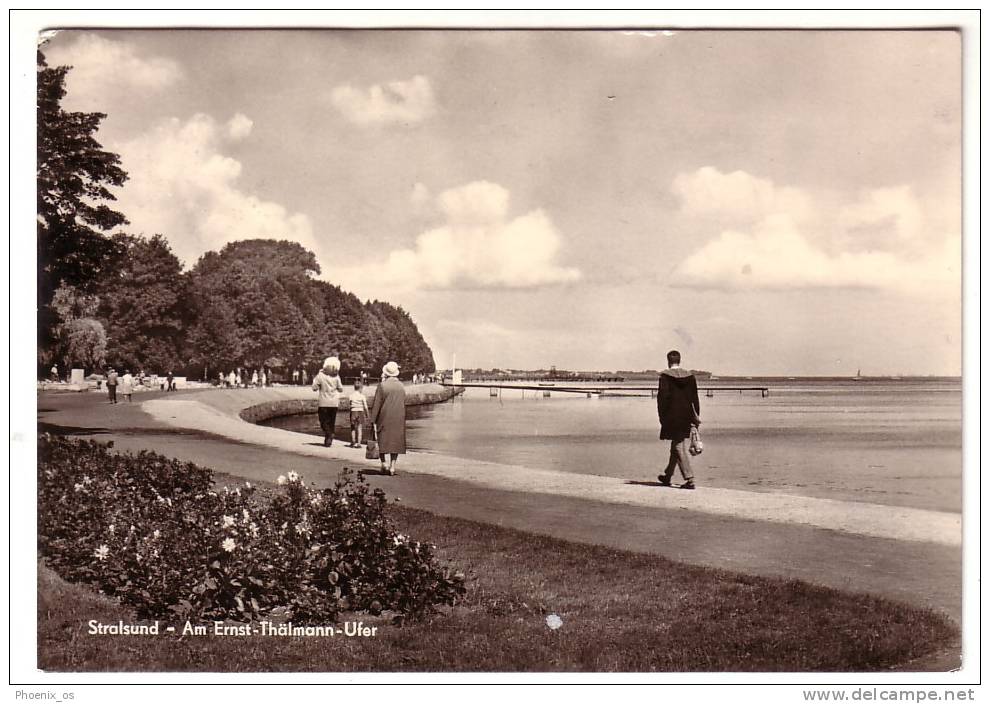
(621,612)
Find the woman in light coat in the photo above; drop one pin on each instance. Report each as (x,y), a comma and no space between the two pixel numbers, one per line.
(388,415)
(127,385)
(328,383)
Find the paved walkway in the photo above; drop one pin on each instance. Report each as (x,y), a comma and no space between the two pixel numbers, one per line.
(217,413)
(906,554)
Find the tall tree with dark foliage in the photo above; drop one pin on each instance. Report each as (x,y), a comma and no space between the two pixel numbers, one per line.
(74,175)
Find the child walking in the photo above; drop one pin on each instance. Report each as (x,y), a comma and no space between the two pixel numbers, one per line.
(359,411)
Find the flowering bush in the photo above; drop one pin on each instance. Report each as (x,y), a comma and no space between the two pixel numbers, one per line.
(154,533)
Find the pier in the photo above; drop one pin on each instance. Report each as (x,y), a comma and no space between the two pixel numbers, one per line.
(547,387)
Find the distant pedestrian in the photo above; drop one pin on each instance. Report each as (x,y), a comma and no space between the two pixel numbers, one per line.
(264,378)
(295,376)
(231,380)
(388,415)
(327,382)
(679,410)
(364,378)
(254,378)
(359,413)
(54,373)
(127,385)
(171,381)
(112,385)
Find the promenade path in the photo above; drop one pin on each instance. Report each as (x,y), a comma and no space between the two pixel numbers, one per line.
(906,554)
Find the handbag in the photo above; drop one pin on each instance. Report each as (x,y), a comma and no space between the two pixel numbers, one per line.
(371,451)
(696,447)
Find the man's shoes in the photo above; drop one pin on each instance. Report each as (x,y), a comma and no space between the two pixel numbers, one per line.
(689,484)
(664,481)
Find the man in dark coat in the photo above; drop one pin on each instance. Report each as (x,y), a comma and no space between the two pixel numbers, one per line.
(678,409)
(112,385)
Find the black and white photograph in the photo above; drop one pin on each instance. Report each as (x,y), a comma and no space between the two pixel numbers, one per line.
(523,350)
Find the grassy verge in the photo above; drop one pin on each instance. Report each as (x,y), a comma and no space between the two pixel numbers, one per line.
(621,612)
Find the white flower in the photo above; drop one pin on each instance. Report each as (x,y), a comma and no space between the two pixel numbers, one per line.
(237,492)
(77,487)
(245,515)
(316,500)
(293,477)
(343,500)
(399,539)
(228,545)
(132,529)
(111,528)
(86,479)
(169,502)
(101,553)
(254,529)
(554,622)
(302,527)
(247,484)
(138,556)
(281,479)
(228,521)
(157,534)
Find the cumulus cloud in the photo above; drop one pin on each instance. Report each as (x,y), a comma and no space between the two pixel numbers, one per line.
(104,67)
(183,186)
(736,196)
(480,246)
(239,127)
(873,242)
(394,102)
(884,218)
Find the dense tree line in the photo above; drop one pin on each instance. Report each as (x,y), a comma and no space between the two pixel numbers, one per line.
(125,300)
(253,304)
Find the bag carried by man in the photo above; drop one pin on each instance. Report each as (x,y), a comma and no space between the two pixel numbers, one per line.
(695,447)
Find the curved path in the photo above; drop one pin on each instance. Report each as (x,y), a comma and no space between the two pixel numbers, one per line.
(904,554)
(218,413)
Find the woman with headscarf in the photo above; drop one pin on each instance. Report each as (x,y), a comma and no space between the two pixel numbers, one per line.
(388,415)
(328,383)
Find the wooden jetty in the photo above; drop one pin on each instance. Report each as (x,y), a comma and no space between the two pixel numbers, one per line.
(546,388)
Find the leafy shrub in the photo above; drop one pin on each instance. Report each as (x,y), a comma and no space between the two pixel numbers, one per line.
(154,533)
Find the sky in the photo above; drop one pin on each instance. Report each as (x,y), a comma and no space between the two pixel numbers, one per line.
(781,202)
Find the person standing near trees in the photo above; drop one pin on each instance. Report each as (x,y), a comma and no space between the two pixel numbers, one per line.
(328,384)
(127,385)
(388,416)
(112,385)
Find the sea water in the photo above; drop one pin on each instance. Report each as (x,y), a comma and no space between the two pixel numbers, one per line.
(895,442)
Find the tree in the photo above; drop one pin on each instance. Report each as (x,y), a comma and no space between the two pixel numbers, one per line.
(254,305)
(73,173)
(85,343)
(144,305)
(78,339)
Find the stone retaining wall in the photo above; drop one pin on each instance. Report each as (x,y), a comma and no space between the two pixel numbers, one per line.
(261,412)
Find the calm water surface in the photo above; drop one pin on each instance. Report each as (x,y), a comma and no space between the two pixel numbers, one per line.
(891,442)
